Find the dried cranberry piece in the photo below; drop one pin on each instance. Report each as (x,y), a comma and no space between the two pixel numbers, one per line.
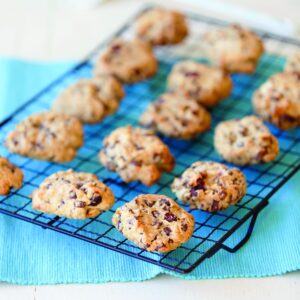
(96,199)
(191,74)
(170,217)
(167,231)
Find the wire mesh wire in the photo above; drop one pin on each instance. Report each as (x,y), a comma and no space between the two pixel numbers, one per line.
(212,229)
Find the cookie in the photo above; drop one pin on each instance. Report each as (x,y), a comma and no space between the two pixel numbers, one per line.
(154,223)
(278,100)
(47,136)
(136,154)
(74,195)
(90,100)
(233,48)
(10,176)
(245,141)
(207,85)
(129,61)
(210,186)
(293,63)
(176,116)
(161,27)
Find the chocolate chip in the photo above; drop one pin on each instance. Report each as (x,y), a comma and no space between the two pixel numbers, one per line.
(96,199)
(155,213)
(149,203)
(167,231)
(165,204)
(136,163)
(184,227)
(72,195)
(78,185)
(170,217)
(79,204)
(116,48)
(215,206)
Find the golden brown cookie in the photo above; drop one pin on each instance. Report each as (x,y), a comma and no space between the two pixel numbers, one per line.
(210,186)
(154,222)
(129,61)
(245,141)
(205,84)
(234,48)
(161,27)
(74,195)
(136,154)
(48,136)
(10,176)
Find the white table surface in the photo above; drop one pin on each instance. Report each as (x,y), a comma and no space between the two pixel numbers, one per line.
(44,29)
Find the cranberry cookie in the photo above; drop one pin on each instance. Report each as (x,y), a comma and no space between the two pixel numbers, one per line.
(74,195)
(48,136)
(176,116)
(136,154)
(234,48)
(278,100)
(210,186)
(245,141)
(129,61)
(161,27)
(154,223)
(208,85)
(90,100)
(10,176)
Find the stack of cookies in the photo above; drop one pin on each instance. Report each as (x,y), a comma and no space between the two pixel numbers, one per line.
(183,111)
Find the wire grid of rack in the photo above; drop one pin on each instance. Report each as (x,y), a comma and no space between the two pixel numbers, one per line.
(227,230)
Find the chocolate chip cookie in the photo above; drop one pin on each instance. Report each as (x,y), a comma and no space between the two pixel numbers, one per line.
(154,223)
(161,27)
(245,141)
(129,61)
(210,186)
(176,116)
(10,176)
(207,85)
(293,63)
(74,195)
(136,154)
(90,100)
(278,100)
(48,136)
(236,49)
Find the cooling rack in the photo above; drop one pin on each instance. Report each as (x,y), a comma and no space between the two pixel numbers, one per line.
(227,230)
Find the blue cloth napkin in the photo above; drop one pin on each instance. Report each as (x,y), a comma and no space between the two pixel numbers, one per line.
(32,255)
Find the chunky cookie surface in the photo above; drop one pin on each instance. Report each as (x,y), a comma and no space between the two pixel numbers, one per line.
(210,186)
(48,136)
(90,100)
(176,116)
(129,61)
(74,195)
(278,100)
(10,176)
(136,154)
(161,27)
(245,141)
(293,63)
(234,48)
(154,223)
(205,84)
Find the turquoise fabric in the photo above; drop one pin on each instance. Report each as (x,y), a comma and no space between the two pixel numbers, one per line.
(32,255)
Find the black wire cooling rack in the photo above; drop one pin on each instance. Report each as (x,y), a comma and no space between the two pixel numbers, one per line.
(227,230)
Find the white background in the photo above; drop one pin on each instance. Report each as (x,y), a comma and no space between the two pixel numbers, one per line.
(44,29)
